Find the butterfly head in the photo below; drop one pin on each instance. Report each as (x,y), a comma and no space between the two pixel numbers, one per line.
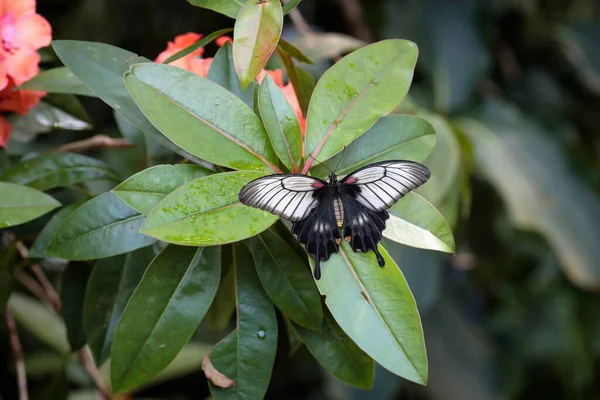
(332,178)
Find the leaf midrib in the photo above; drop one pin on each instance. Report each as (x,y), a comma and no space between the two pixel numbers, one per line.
(125,220)
(372,304)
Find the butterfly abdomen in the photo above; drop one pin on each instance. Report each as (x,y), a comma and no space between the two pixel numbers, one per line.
(338,208)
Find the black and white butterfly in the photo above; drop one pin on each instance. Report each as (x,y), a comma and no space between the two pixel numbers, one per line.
(319,209)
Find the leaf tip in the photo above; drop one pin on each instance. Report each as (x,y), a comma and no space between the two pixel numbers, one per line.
(214,375)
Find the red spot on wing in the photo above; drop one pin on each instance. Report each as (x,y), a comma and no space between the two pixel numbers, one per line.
(350,180)
(318,185)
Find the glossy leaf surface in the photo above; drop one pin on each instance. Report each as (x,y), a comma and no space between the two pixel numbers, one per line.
(176,291)
(20,204)
(104,220)
(147,188)
(207,211)
(167,95)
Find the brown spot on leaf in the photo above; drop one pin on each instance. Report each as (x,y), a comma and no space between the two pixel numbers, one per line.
(216,377)
(365,296)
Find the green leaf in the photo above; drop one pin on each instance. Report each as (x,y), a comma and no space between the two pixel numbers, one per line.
(101,66)
(176,291)
(207,211)
(147,188)
(38,249)
(168,96)
(290,5)
(153,152)
(302,81)
(287,280)
(72,289)
(292,50)
(39,320)
(71,105)
(247,355)
(541,188)
(109,288)
(256,33)
(415,222)
(354,93)
(281,124)
(101,227)
(199,44)
(339,354)
(57,80)
(20,204)
(222,72)
(49,171)
(393,137)
(444,162)
(227,7)
(322,46)
(222,308)
(375,307)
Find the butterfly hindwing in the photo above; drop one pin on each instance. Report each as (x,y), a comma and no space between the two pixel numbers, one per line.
(290,196)
(318,232)
(363,227)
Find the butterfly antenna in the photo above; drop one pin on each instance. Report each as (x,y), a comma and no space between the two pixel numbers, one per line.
(340,160)
(321,163)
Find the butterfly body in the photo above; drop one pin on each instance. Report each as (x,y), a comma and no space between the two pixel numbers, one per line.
(356,205)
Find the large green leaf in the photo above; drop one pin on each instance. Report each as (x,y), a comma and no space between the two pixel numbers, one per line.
(38,249)
(207,211)
(39,320)
(223,306)
(147,188)
(415,222)
(542,190)
(147,148)
(443,162)
(339,354)
(393,137)
(256,33)
(227,7)
(48,171)
(287,280)
(73,284)
(222,71)
(20,204)
(281,124)
(246,356)
(232,134)
(359,89)
(101,227)
(110,286)
(57,80)
(375,307)
(176,291)
(101,66)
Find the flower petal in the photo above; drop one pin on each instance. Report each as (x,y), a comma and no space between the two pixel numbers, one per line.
(17,7)
(22,65)
(33,31)
(5,131)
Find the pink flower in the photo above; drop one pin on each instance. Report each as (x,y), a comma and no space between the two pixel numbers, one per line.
(23,32)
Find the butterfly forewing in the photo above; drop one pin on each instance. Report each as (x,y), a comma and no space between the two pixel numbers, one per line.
(290,196)
(378,186)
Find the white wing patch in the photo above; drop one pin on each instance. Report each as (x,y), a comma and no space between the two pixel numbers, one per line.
(289,196)
(383,184)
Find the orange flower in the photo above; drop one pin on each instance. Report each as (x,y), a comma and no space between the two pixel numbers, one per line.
(5,131)
(23,32)
(193,62)
(17,101)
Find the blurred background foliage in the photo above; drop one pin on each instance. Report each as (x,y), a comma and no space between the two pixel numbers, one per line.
(513,90)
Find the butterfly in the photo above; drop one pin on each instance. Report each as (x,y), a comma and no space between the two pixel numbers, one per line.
(320,209)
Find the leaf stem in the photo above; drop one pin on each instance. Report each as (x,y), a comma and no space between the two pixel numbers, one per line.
(17,351)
